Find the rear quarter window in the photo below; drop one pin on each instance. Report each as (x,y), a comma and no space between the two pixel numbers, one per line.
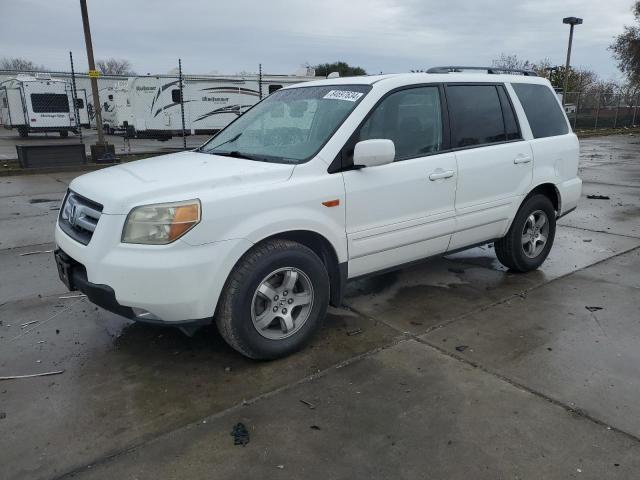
(542,109)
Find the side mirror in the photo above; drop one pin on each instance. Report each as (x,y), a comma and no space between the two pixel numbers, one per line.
(373,153)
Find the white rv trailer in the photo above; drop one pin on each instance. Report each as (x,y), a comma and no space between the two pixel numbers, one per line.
(152,104)
(116,107)
(83,89)
(37,104)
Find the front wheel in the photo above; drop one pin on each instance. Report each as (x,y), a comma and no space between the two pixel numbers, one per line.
(274,300)
(530,238)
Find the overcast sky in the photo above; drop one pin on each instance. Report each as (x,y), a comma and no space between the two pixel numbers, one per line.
(379,35)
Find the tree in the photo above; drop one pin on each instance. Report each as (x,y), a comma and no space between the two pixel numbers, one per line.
(580,79)
(115,66)
(344,69)
(20,64)
(511,62)
(629,92)
(626,48)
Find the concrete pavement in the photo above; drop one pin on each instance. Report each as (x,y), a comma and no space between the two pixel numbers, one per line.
(458,369)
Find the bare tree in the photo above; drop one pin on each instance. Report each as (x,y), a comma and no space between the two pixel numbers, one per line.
(20,64)
(511,62)
(580,79)
(115,66)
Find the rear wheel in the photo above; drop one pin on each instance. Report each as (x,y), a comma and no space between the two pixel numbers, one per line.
(530,238)
(64,133)
(23,132)
(274,300)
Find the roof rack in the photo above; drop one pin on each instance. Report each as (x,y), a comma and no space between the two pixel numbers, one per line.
(489,70)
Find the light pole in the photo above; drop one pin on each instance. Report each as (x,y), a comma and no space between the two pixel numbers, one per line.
(572,21)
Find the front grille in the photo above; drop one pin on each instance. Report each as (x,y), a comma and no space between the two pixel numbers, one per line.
(79,217)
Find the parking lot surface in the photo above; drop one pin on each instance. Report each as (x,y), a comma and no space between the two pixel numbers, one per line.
(10,138)
(455,368)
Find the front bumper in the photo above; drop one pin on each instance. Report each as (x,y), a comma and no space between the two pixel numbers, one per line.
(176,283)
(74,276)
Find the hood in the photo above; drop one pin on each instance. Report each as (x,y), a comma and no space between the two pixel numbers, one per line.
(173,177)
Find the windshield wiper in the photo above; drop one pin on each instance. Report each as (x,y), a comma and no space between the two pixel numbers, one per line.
(235,154)
(267,159)
(232,139)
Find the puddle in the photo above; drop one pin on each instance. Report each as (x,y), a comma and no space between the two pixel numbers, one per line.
(43,200)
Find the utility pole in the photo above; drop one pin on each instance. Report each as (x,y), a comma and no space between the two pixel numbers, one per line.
(572,21)
(92,73)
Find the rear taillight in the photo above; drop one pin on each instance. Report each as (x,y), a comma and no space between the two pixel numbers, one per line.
(33,119)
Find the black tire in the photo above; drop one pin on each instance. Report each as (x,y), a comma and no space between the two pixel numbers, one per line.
(64,134)
(510,250)
(23,132)
(234,313)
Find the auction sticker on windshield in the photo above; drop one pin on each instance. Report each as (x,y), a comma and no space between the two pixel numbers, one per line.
(343,95)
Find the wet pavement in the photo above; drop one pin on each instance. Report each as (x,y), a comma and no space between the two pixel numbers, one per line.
(457,365)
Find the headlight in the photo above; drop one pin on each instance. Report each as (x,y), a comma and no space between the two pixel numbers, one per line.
(161,223)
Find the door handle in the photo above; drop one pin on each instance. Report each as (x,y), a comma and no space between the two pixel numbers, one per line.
(442,174)
(522,159)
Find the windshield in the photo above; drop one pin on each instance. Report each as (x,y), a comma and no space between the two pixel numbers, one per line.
(289,126)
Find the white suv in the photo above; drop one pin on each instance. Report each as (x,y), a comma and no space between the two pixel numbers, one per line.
(260,228)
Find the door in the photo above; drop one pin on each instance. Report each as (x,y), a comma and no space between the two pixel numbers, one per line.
(402,211)
(81,105)
(495,165)
(14,114)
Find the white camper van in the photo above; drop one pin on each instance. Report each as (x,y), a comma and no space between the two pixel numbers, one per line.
(37,104)
(152,104)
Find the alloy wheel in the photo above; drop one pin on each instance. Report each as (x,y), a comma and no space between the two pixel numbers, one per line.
(535,233)
(282,303)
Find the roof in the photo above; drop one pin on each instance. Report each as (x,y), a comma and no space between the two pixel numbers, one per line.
(25,77)
(399,79)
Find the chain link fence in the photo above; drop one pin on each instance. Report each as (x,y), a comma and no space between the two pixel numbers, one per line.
(597,110)
(176,105)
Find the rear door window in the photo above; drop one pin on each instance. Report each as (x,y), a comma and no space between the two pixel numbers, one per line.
(476,115)
(542,109)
